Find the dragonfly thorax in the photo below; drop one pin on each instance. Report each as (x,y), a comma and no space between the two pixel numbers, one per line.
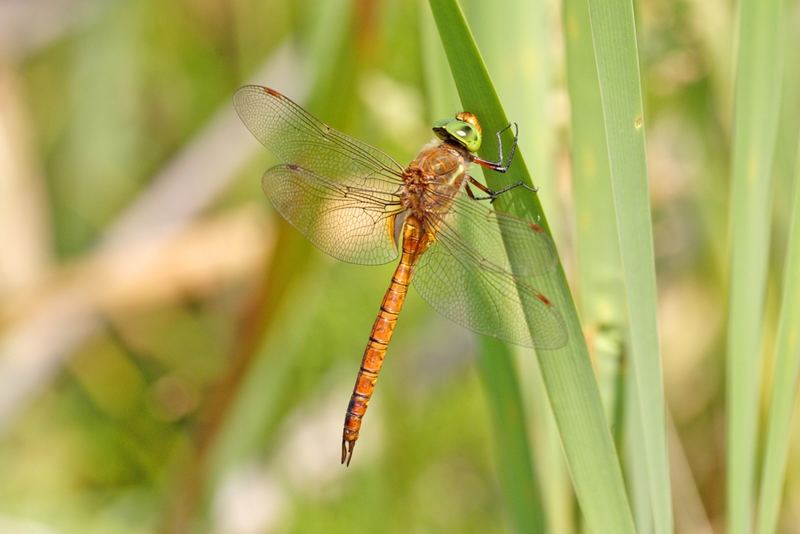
(433,179)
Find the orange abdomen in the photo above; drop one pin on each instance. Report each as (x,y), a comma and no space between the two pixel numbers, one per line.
(415,241)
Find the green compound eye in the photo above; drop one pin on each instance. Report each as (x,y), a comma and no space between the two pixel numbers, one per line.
(467,135)
(459,131)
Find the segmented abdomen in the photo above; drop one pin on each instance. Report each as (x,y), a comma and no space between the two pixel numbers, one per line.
(414,243)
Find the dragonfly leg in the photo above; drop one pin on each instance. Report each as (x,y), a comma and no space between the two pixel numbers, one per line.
(500,165)
(491,194)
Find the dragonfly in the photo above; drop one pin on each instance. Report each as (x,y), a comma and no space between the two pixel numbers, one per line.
(357,204)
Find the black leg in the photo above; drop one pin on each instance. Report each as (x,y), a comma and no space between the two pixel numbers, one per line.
(500,165)
(492,195)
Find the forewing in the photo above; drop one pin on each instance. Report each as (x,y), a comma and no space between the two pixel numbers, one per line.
(348,219)
(295,137)
(467,277)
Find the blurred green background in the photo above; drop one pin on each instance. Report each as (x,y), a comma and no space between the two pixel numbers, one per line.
(175,357)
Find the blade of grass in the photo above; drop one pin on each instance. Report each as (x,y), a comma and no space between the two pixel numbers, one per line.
(518,481)
(614,37)
(440,92)
(522,76)
(788,134)
(756,106)
(601,295)
(512,449)
(569,379)
(523,79)
(548,456)
(636,461)
(599,269)
(784,386)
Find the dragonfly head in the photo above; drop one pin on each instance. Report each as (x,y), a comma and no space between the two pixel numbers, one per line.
(464,129)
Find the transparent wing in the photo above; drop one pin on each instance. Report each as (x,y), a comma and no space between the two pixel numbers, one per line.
(348,219)
(296,137)
(479,226)
(467,277)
